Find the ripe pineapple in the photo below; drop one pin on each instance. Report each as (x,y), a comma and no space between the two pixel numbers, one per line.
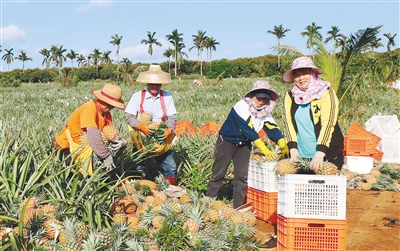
(81,231)
(151,184)
(195,221)
(110,132)
(144,117)
(83,139)
(105,238)
(249,218)
(211,215)
(328,168)
(52,228)
(119,217)
(185,198)
(236,217)
(158,221)
(30,213)
(49,210)
(132,220)
(71,246)
(129,204)
(284,166)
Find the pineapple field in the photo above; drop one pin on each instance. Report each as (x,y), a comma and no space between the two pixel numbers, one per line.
(48,205)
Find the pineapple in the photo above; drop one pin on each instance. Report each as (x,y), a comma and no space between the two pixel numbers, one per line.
(30,213)
(185,198)
(211,215)
(249,218)
(132,220)
(71,246)
(81,231)
(144,117)
(32,202)
(327,168)
(67,234)
(83,139)
(128,204)
(236,217)
(52,227)
(104,237)
(151,184)
(158,221)
(119,217)
(162,182)
(49,210)
(195,221)
(110,132)
(284,166)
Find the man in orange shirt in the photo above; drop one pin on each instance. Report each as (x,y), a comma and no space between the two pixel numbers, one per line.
(91,118)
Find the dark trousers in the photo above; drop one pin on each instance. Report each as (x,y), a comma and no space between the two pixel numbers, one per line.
(224,152)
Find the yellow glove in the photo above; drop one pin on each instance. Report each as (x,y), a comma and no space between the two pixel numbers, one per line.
(264,149)
(283,146)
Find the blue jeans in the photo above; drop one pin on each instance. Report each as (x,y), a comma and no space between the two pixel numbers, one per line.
(167,163)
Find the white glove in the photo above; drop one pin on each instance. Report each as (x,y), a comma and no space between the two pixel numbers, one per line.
(118,144)
(294,155)
(109,163)
(317,161)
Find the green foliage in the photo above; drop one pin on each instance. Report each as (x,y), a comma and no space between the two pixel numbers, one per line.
(87,74)
(222,68)
(107,72)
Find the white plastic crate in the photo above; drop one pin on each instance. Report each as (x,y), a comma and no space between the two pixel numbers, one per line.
(390,146)
(383,125)
(262,176)
(312,196)
(359,164)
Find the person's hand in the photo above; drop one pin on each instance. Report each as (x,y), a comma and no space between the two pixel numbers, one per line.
(145,129)
(283,146)
(118,144)
(109,163)
(294,155)
(269,155)
(317,161)
(167,133)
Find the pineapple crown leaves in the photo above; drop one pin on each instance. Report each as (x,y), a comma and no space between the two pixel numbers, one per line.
(147,217)
(145,190)
(134,245)
(91,243)
(162,182)
(69,228)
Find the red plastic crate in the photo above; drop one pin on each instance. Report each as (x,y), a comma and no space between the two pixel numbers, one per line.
(310,234)
(264,204)
(359,145)
(184,126)
(357,130)
(210,128)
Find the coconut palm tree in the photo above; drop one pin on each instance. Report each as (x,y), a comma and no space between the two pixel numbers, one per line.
(72,55)
(150,41)
(180,54)
(312,32)
(176,39)
(390,41)
(81,61)
(335,36)
(375,43)
(199,41)
(105,59)
(168,53)
(210,45)
(279,32)
(57,55)
(116,41)
(8,57)
(94,57)
(46,53)
(23,57)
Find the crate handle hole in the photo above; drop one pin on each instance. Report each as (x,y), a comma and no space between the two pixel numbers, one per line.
(316,181)
(316,225)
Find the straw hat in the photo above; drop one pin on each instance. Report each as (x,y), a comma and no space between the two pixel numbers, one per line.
(301,62)
(111,94)
(154,76)
(262,89)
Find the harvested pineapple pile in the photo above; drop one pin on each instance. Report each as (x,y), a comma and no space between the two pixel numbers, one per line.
(384,177)
(144,217)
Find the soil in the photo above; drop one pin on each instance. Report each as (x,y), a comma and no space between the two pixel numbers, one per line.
(368,228)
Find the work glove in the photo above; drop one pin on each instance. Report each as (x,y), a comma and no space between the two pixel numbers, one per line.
(109,163)
(269,155)
(166,133)
(283,146)
(294,155)
(317,161)
(145,129)
(118,144)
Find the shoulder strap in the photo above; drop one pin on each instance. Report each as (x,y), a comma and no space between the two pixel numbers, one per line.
(142,101)
(163,106)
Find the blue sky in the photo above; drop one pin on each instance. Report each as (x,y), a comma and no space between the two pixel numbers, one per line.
(239,26)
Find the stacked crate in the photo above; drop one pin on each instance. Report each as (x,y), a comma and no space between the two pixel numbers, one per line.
(360,149)
(311,212)
(184,126)
(210,128)
(388,129)
(262,190)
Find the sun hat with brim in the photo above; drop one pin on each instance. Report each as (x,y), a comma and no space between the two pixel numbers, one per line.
(262,87)
(154,76)
(298,63)
(111,94)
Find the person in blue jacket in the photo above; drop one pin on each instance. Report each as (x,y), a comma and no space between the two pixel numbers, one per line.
(241,128)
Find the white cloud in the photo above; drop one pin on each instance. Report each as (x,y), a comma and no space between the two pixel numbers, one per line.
(95,4)
(12,33)
(255,46)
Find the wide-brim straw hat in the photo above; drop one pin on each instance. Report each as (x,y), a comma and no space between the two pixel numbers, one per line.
(262,87)
(154,76)
(111,94)
(301,62)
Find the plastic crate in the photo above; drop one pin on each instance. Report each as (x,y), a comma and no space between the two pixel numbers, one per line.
(210,128)
(264,204)
(357,130)
(390,146)
(310,234)
(312,196)
(377,155)
(383,125)
(359,164)
(184,126)
(359,145)
(262,176)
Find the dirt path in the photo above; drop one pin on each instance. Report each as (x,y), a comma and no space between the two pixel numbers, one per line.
(367,230)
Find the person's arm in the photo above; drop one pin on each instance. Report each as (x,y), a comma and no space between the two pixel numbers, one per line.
(329,114)
(96,143)
(290,131)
